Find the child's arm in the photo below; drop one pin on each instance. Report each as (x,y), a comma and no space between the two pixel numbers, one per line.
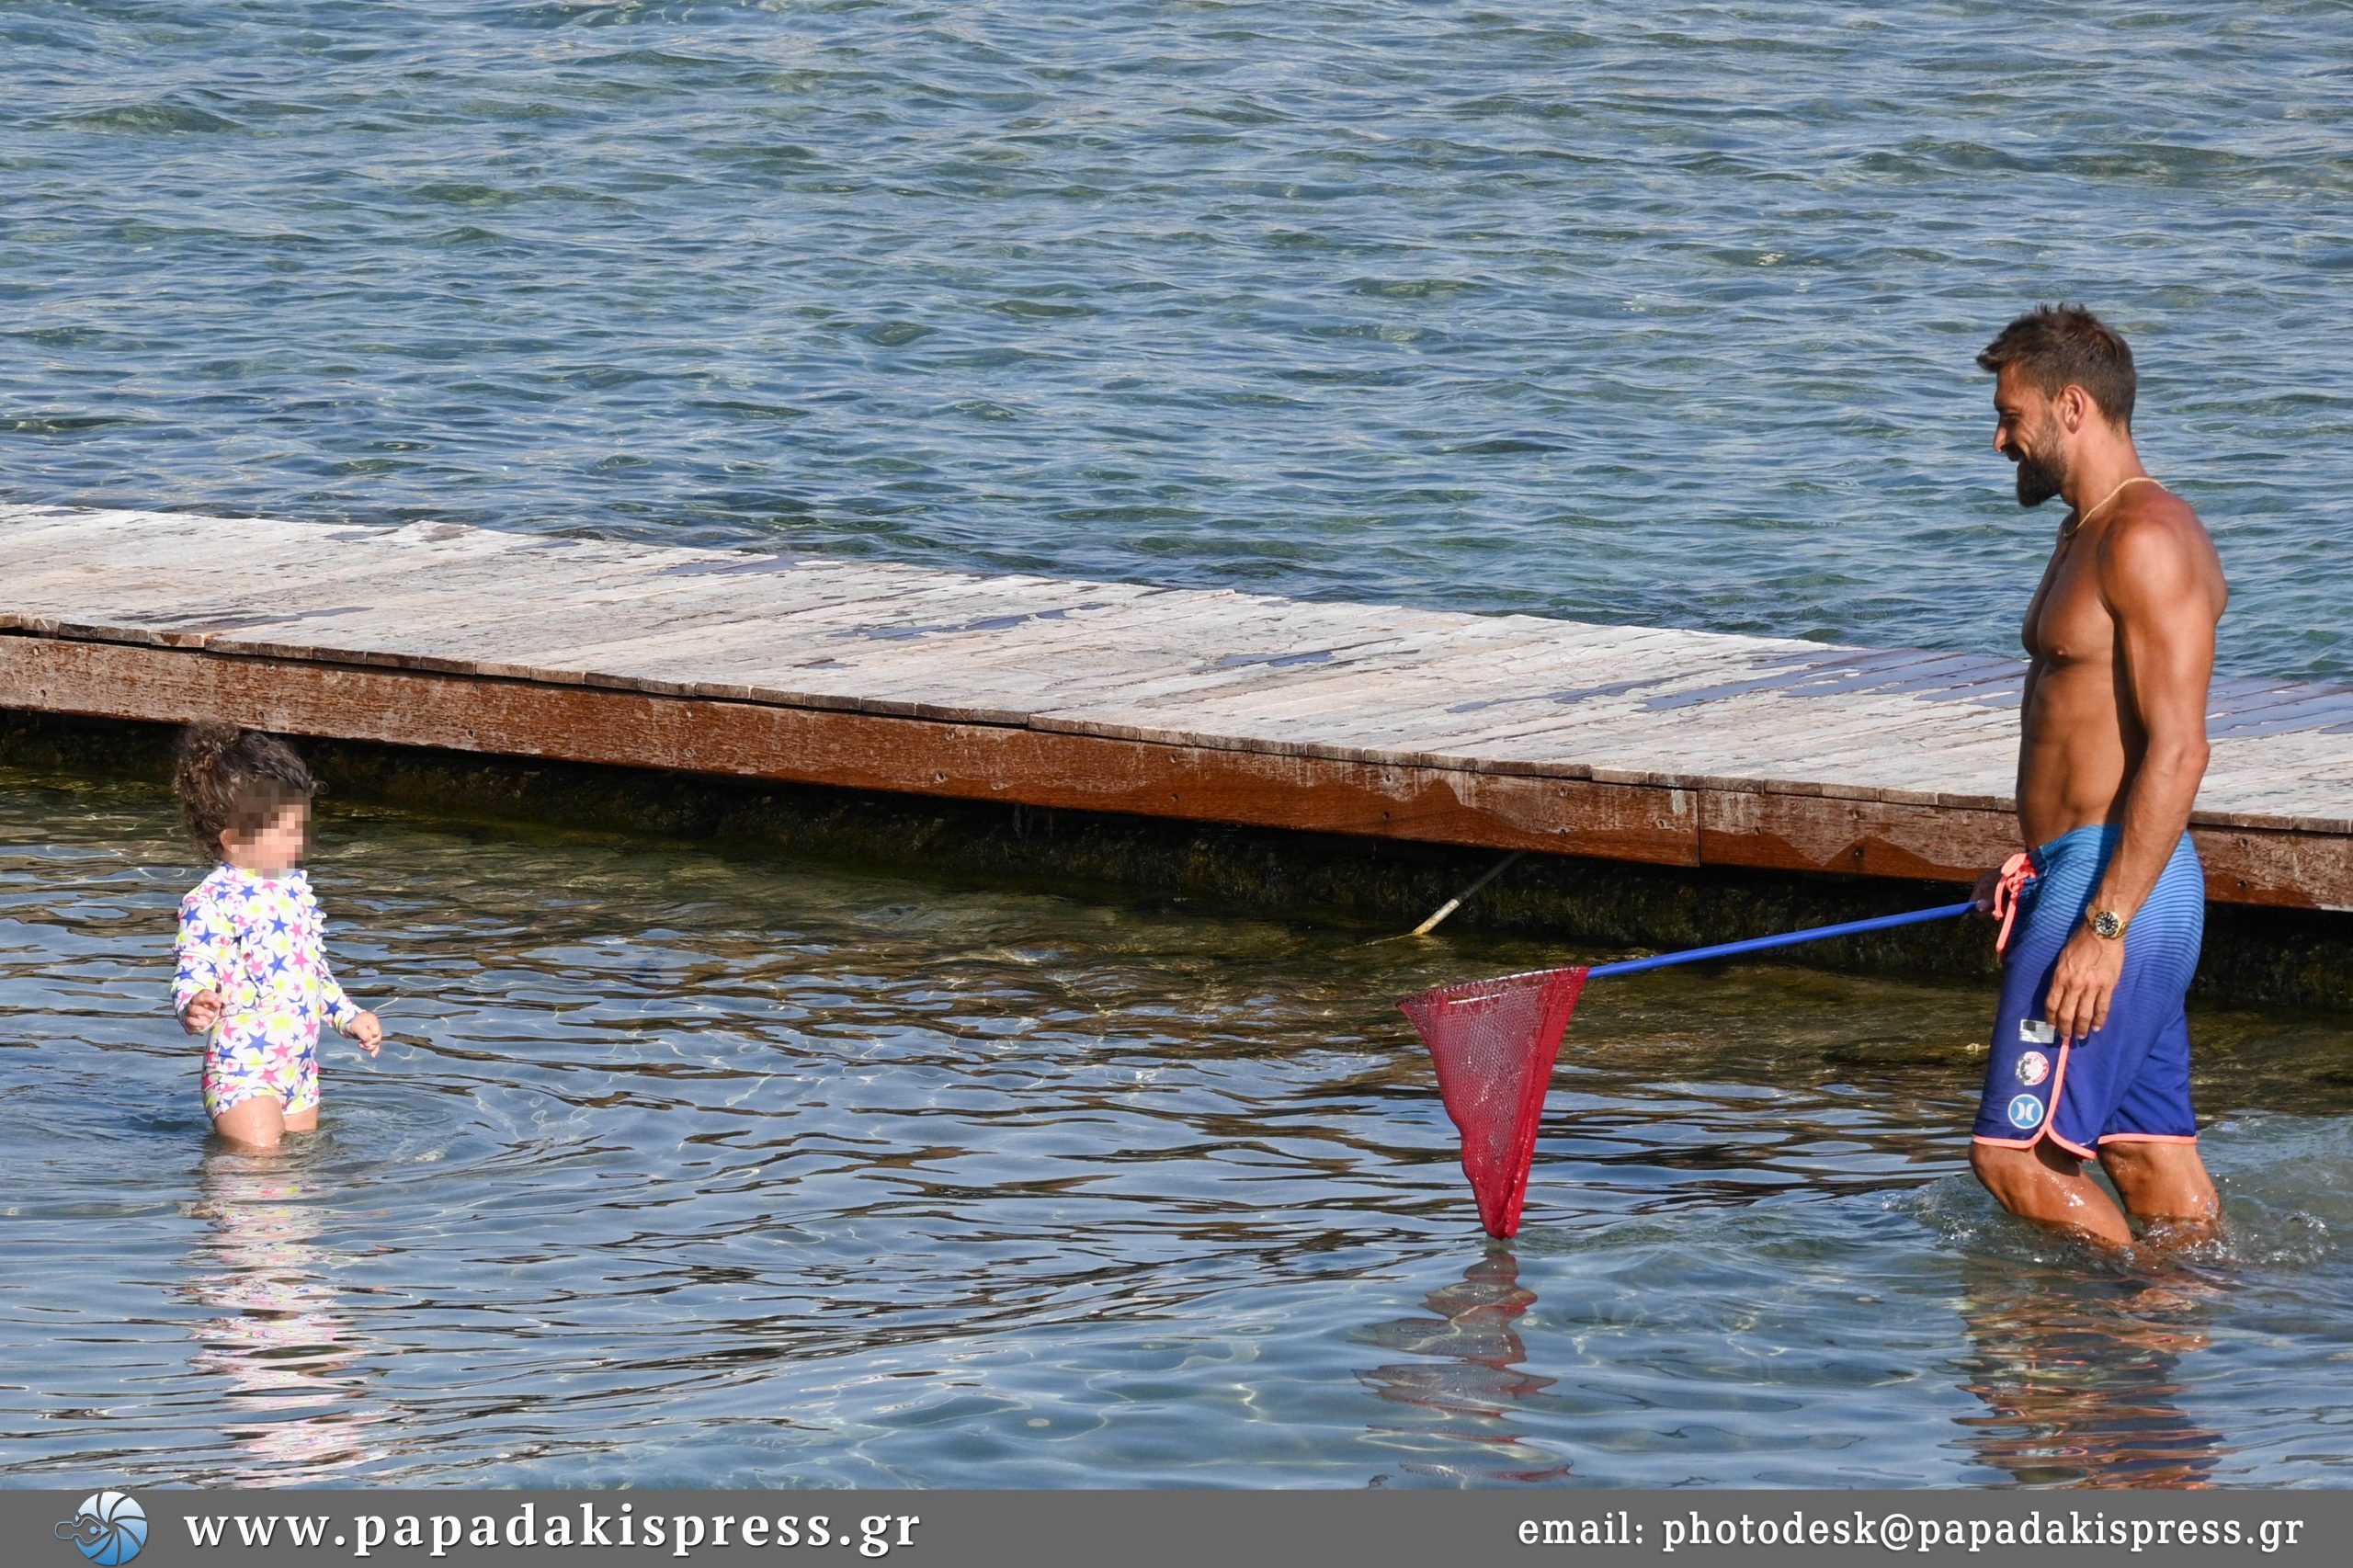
(206,950)
(344,1013)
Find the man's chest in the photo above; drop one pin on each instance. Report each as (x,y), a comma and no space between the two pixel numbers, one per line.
(2069,623)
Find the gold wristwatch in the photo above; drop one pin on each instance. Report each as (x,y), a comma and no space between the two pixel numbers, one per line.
(2106,924)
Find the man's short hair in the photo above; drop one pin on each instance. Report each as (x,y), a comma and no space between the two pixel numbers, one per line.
(2056,346)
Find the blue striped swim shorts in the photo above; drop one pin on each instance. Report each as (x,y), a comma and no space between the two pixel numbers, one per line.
(2129,1082)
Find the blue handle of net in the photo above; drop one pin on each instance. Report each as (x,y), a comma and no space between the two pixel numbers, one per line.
(1787,938)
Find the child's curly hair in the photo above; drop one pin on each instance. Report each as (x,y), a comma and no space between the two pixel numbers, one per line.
(232,778)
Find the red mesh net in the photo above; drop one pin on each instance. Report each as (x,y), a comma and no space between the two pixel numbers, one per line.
(1494,1042)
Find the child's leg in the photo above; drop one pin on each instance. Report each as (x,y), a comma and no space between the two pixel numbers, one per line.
(302,1095)
(258,1092)
(257,1121)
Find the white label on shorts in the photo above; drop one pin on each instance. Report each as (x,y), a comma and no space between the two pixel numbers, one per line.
(2034,1031)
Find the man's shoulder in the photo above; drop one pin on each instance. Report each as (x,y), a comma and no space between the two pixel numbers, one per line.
(2153,521)
(2151,504)
(2156,539)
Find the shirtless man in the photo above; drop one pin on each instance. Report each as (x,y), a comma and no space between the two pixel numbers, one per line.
(2091,1047)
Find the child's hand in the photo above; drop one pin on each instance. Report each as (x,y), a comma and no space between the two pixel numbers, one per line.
(203,1011)
(368,1030)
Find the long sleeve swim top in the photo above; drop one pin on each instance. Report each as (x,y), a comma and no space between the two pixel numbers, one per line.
(261,943)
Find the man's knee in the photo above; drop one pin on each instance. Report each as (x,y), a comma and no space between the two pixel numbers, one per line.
(2160,1180)
(2013,1175)
(2129,1158)
(1998,1169)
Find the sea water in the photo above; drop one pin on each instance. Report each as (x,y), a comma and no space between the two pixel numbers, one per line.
(683,1167)
(1658,313)
(687,1168)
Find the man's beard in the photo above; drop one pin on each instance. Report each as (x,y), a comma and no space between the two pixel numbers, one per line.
(2039,478)
(2037,483)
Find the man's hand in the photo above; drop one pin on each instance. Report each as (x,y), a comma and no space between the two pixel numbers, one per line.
(1985,893)
(2082,984)
(203,1011)
(368,1030)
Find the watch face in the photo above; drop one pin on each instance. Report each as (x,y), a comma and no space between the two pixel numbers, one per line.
(2106,924)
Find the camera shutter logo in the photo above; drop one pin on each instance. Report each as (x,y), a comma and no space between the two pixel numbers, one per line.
(109,1528)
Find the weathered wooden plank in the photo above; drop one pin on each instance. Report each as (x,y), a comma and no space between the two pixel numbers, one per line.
(1286,708)
(1813,833)
(1782,753)
(147,564)
(997,674)
(1875,748)
(1877,838)
(461,625)
(647,639)
(1361,699)
(177,587)
(2287,869)
(1413,711)
(436,584)
(852,750)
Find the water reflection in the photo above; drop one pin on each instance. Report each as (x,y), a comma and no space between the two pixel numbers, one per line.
(948,1186)
(1465,1401)
(290,1356)
(2082,1378)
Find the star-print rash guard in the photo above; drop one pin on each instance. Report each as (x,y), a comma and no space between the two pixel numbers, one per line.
(261,943)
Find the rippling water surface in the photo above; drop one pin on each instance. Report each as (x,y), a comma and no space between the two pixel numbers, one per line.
(1638,313)
(684,1168)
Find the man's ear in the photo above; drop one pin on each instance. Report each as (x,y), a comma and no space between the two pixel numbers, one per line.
(2074,407)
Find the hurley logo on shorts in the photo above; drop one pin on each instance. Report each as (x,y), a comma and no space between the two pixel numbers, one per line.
(2026,1111)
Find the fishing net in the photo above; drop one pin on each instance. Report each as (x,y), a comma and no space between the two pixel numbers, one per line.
(1494,1041)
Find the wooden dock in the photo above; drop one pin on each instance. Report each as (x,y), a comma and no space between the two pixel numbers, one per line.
(1509,731)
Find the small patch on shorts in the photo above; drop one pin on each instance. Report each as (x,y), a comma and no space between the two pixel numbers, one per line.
(2033,1067)
(2034,1031)
(2026,1111)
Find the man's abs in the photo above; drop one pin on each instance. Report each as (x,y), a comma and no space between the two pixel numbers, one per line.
(2073,758)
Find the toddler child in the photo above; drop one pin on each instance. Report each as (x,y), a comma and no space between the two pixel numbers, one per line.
(253,967)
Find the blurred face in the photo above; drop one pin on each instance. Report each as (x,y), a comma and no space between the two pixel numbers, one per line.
(2027,431)
(271,851)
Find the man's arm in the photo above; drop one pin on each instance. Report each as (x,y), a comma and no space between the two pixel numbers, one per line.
(2165,633)
(2150,575)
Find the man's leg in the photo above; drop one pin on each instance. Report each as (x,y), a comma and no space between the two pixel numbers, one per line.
(2150,1146)
(2164,1184)
(2048,1184)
